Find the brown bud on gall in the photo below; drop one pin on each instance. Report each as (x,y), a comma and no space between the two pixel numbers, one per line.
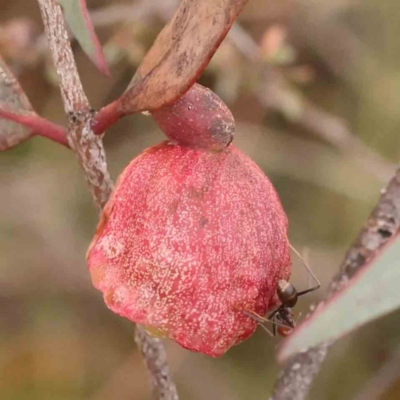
(198,119)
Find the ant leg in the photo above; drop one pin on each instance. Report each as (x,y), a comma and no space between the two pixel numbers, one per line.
(318,283)
(271,316)
(261,320)
(272,334)
(255,316)
(274,328)
(277,320)
(271,319)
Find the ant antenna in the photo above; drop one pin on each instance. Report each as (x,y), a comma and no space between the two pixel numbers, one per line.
(309,270)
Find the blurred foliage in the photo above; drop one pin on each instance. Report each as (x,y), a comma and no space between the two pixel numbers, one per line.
(322,68)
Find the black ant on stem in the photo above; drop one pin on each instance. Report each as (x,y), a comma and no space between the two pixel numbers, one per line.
(282,318)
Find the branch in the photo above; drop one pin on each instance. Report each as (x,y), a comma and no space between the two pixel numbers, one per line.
(74,97)
(90,151)
(91,156)
(156,360)
(294,381)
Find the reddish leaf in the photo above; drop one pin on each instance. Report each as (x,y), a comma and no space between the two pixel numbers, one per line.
(13,105)
(180,53)
(77,16)
(18,121)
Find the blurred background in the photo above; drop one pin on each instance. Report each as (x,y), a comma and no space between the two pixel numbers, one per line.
(315,90)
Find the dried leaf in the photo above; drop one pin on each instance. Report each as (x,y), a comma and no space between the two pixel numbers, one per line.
(180,53)
(77,16)
(13,102)
(372,293)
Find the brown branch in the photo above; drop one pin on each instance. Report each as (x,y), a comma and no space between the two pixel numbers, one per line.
(295,379)
(156,359)
(91,156)
(74,97)
(89,149)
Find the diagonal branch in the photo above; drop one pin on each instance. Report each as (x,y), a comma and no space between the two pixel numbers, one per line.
(295,379)
(74,97)
(91,156)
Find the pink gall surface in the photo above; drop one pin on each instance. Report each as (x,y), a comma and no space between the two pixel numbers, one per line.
(189,239)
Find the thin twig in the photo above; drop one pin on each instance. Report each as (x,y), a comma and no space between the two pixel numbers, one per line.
(156,360)
(91,156)
(295,379)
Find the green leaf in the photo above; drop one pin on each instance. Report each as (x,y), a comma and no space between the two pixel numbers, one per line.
(371,293)
(77,16)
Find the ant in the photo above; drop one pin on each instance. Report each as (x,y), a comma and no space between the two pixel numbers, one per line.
(282,318)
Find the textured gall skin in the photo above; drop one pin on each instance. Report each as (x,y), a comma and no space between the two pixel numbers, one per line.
(189,239)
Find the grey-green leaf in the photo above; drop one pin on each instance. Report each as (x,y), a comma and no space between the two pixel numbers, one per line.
(372,293)
(77,16)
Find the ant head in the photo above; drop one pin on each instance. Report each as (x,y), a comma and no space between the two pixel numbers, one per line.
(287,293)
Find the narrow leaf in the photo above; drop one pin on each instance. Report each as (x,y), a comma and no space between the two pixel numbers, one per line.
(180,53)
(13,102)
(77,16)
(371,293)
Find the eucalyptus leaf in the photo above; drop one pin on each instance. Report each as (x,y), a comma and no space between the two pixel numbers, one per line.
(12,102)
(372,293)
(77,16)
(180,53)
